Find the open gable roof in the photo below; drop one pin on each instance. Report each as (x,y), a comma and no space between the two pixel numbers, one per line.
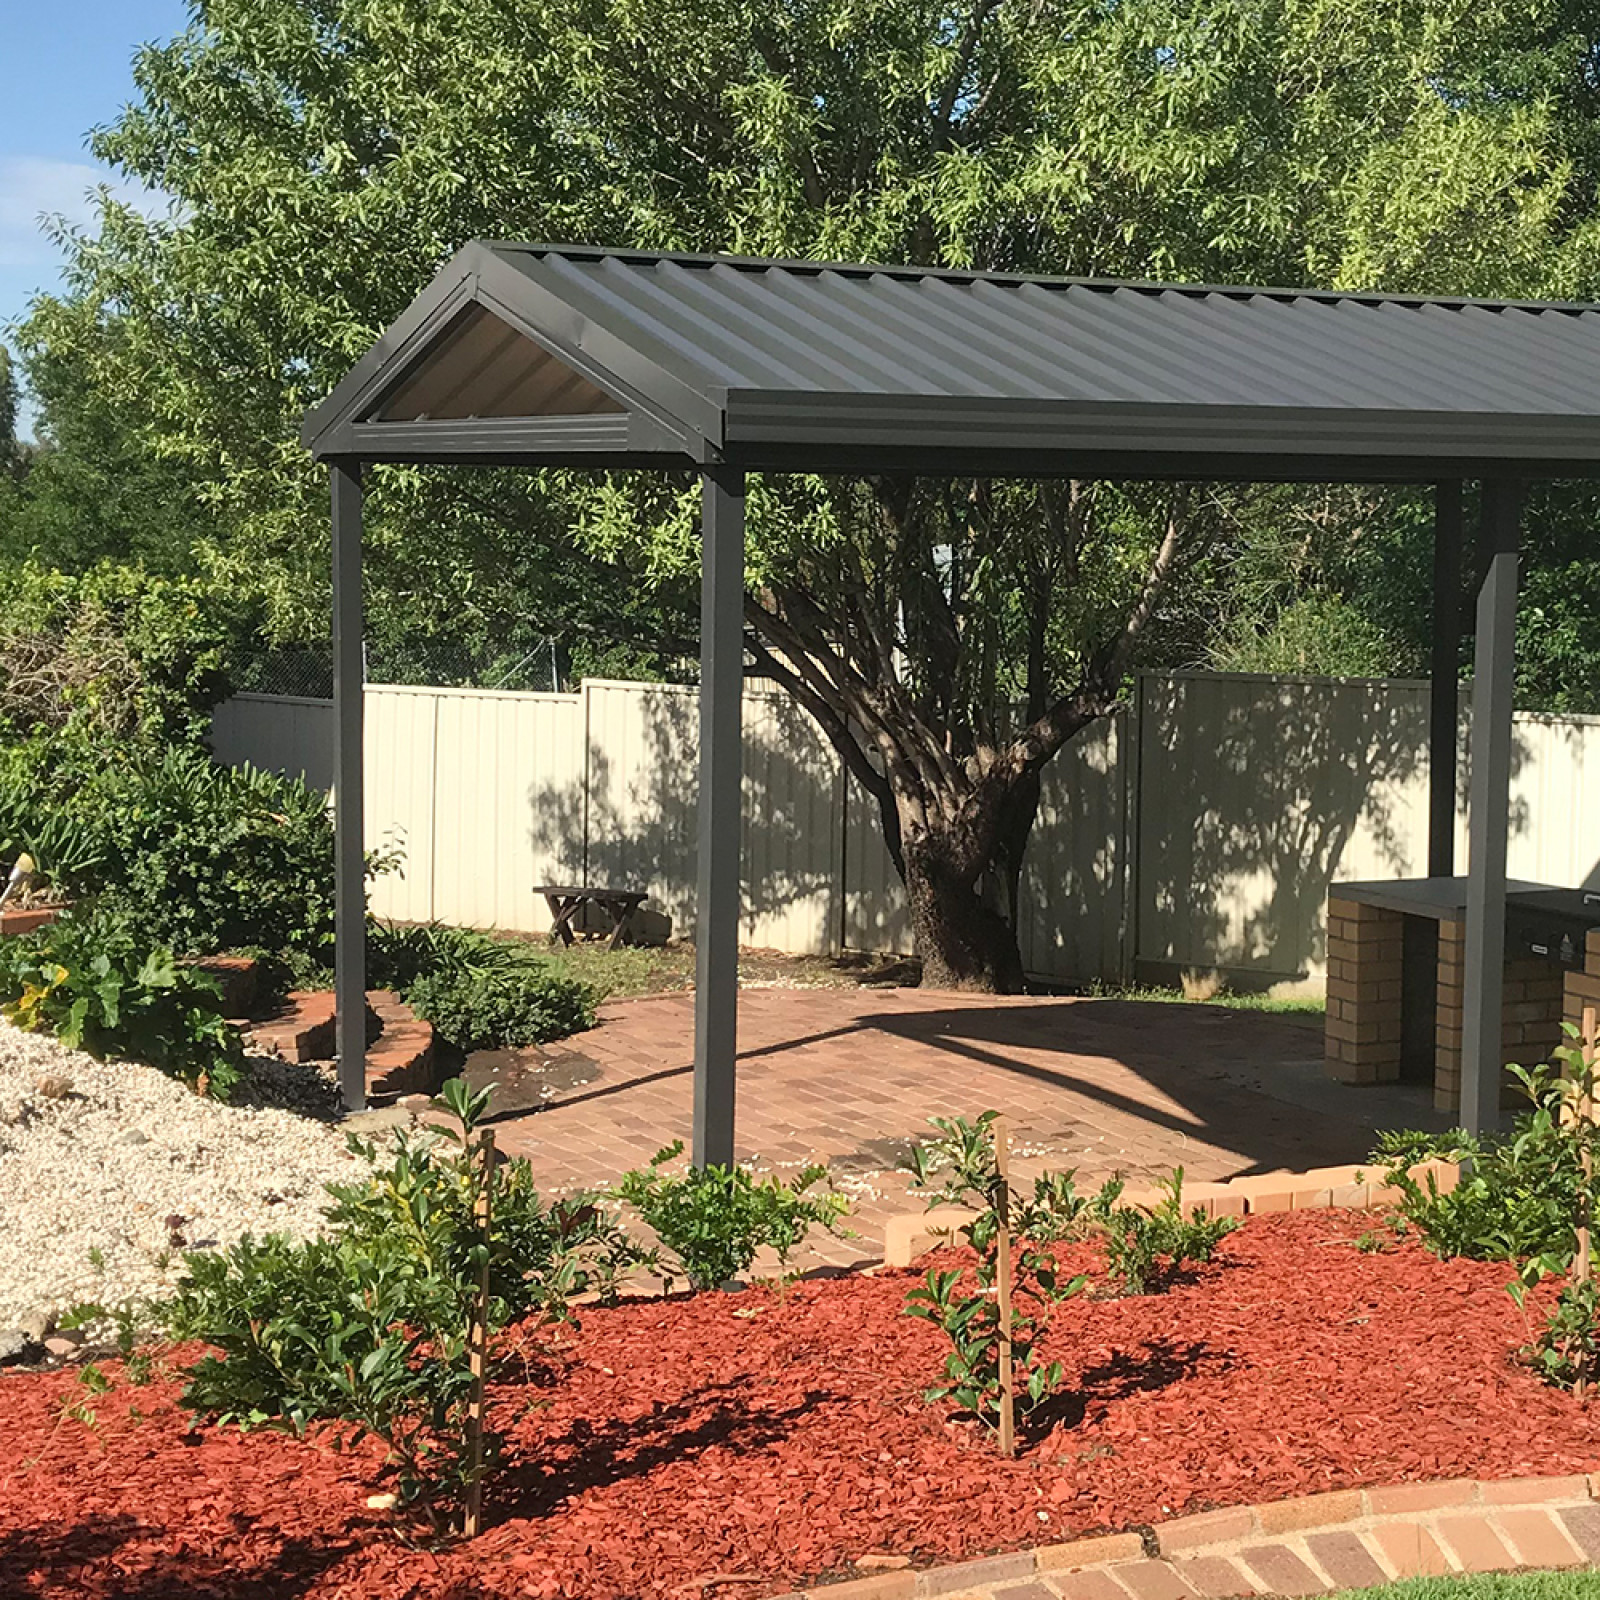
(562,355)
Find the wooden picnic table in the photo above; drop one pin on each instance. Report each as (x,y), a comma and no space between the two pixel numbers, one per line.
(567,900)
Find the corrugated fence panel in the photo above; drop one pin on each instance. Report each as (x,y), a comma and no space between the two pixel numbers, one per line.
(1072,877)
(643,743)
(509,804)
(399,808)
(1249,795)
(792,833)
(278,733)
(1255,792)
(876,916)
(1555,800)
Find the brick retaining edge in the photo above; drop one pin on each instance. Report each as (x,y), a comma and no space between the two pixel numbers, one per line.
(1344,1539)
(908,1234)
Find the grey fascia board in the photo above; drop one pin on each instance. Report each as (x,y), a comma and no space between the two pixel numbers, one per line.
(538,441)
(395,350)
(1030,426)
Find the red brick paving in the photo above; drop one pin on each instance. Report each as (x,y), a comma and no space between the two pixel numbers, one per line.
(849,1077)
(1467,1530)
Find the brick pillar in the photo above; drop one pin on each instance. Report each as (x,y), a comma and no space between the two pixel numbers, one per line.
(1366,953)
(1531,1019)
(1447,1028)
(1582,988)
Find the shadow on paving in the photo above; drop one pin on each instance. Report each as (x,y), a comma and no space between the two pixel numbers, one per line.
(117,1558)
(1192,1055)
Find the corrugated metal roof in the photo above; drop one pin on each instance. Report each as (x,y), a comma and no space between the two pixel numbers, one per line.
(794,364)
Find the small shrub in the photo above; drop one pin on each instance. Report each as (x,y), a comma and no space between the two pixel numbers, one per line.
(715,1219)
(964,1158)
(89,979)
(1562,1128)
(509,1006)
(365,1331)
(1147,1249)
(1515,1198)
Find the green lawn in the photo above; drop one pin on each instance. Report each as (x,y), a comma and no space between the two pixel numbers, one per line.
(1296,1006)
(1498,1586)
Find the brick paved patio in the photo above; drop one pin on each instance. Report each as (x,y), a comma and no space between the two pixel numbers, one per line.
(849,1077)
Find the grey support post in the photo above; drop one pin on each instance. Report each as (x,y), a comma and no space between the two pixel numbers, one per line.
(1445,674)
(349,861)
(1482,1052)
(716,995)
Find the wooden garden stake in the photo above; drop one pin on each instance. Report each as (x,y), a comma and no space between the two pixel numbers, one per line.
(1002,1209)
(1581,1272)
(478,1334)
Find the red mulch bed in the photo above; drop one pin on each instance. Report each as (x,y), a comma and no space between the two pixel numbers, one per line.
(681,1440)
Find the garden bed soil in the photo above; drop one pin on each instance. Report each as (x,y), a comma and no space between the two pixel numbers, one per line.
(764,1439)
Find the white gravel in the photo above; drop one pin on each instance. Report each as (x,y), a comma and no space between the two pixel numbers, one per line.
(103,1167)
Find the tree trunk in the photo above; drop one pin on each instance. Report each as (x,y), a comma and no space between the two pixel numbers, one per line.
(961,942)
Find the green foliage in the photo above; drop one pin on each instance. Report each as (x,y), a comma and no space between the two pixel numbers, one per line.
(1148,1248)
(91,980)
(1515,1198)
(540,1252)
(366,1330)
(115,653)
(479,992)
(965,1158)
(715,1219)
(1566,1349)
(211,857)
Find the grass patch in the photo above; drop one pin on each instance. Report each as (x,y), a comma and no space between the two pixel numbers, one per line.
(1490,1586)
(627,973)
(1293,1006)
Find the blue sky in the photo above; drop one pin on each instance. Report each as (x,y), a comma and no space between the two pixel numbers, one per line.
(67,68)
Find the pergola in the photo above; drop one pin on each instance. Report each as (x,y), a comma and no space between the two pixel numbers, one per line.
(542,356)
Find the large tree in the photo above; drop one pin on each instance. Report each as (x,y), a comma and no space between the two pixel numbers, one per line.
(326,155)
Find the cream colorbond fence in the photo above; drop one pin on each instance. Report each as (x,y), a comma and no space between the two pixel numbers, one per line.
(1198,830)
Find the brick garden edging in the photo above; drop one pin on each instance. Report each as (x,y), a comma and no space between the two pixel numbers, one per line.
(1346,1539)
(908,1234)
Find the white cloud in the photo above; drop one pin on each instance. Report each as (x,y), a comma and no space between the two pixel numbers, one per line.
(35,186)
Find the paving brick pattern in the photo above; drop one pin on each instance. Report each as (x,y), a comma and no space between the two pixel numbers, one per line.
(849,1077)
(1341,1541)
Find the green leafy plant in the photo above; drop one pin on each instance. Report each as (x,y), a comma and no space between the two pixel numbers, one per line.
(90,979)
(365,1331)
(1515,1198)
(502,1007)
(479,992)
(961,1167)
(1148,1247)
(1565,1350)
(714,1219)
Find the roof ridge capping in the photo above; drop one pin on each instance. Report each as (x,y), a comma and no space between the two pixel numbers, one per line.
(958,275)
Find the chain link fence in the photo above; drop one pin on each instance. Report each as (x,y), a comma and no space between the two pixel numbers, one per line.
(306,670)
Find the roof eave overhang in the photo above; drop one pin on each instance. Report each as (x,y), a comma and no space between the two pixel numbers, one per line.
(666,422)
(1004,437)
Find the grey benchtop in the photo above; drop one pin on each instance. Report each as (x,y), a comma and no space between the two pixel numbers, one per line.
(1443,899)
